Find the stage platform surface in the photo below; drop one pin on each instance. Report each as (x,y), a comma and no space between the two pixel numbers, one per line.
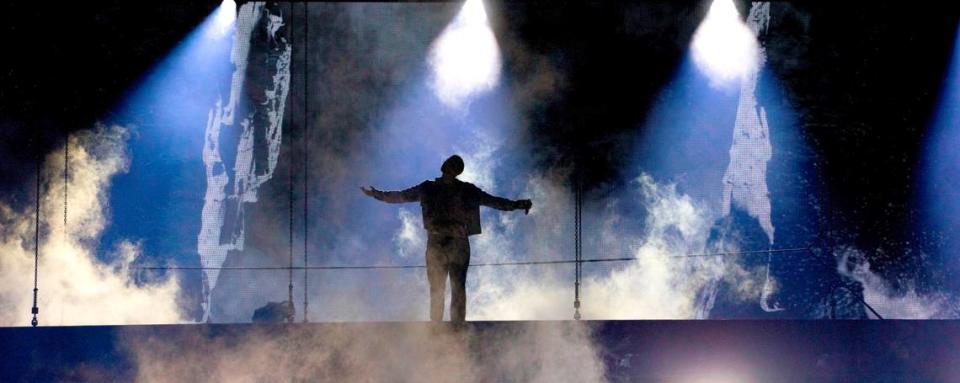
(636,351)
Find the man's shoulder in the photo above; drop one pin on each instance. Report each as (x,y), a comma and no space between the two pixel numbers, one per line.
(456,185)
(467,185)
(426,186)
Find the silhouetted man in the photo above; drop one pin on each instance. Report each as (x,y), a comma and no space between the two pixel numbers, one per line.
(451,213)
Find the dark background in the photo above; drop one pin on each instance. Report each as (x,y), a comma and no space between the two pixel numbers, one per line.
(68,64)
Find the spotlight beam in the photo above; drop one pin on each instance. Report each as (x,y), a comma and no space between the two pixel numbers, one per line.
(465,59)
(724,48)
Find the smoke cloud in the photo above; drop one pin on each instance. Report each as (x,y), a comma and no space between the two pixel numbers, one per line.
(394,352)
(76,287)
(661,283)
(888,301)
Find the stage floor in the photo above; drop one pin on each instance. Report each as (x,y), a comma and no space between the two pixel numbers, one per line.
(645,351)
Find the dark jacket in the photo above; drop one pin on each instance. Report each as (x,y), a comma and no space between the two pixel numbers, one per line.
(448,207)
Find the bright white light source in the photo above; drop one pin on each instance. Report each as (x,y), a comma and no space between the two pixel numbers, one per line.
(724,48)
(713,372)
(719,378)
(465,58)
(226,13)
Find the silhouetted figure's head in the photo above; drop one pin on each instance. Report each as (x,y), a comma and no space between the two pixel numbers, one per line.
(453,166)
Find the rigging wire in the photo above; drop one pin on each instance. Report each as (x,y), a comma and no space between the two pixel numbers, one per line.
(290,232)
(66,178)
(36,248)
(577,248)
(518,263)
(306,153)
(577,262)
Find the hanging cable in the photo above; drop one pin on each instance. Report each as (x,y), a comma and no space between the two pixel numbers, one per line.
(66,178)
(290,238)
(577,246)
(518,263)
(36,248)
(306,153)
(578,262)
(867,305)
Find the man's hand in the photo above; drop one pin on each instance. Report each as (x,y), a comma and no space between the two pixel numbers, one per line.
(368,190)
(525,204)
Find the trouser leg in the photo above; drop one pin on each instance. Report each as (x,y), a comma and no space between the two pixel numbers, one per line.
(436,276)
(459,261)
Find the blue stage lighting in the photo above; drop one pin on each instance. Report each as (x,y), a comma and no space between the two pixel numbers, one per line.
(940,201)
(719,132)
(188,80)
(166,114)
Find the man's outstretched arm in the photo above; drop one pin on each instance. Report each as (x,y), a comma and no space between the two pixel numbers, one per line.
(402,196)
(501,203)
